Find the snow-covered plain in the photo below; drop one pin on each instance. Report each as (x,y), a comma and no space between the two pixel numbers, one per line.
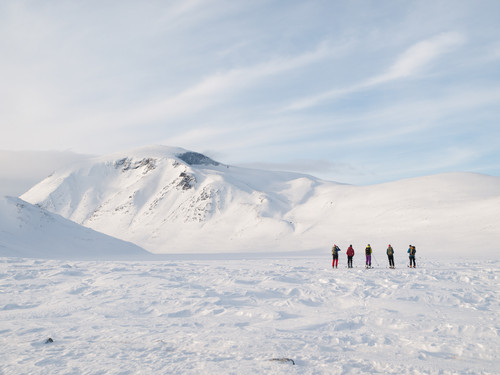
(181,315)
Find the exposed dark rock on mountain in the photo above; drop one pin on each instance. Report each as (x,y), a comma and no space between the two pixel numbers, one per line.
(194,158)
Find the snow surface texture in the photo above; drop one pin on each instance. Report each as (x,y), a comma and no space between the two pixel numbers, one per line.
(169,200)
(235,316)
(29,231)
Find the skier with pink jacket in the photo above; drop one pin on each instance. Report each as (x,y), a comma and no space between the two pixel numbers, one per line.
(350,255)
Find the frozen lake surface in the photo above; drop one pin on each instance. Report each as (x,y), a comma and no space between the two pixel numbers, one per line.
(216,316)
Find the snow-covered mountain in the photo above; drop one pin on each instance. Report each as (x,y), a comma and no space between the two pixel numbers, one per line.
(170,200)
(30,231)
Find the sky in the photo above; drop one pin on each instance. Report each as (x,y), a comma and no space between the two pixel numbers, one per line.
(359,92)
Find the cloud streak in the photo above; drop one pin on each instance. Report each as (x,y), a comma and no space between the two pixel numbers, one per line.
(217,87)
(210,91)
(409,64)
(368,85)
(419,56)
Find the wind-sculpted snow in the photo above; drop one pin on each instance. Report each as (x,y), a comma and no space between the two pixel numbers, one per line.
(248,317)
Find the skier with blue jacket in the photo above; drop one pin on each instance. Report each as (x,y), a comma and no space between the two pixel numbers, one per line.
(335,255)
(411,253)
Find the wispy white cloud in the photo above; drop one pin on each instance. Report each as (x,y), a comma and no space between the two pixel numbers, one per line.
(410,63)
(418,57)
(21,170)
(218,86)
(209,91)
(218,74)
(309,166)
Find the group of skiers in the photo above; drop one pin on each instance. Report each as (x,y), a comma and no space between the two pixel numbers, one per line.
(368,253)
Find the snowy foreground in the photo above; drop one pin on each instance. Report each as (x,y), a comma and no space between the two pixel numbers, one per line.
(213,316)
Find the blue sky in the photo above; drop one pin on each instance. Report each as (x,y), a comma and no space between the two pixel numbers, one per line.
(354,91)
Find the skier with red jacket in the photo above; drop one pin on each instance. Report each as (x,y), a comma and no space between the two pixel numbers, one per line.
(350,255)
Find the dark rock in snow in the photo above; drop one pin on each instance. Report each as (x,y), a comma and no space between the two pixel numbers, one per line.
(288,360)
(49,340)
(194,158)
(186,181)
(128,164)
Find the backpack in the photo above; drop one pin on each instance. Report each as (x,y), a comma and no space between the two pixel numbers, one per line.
(413,251)
(390,251)
(335,250)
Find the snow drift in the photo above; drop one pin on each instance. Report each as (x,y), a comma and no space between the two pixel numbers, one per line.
(30,231)
(170,200)
(234,317)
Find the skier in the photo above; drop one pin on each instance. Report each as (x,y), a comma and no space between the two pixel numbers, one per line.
(350,254)
(390,255)
(335,254)
(411,253)
(368,253)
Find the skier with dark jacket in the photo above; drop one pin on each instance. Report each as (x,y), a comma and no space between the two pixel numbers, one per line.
(335,255)
(390,255)
(350,255)
(368,253)
(411,253)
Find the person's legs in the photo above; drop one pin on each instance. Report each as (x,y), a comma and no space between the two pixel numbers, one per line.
(391,260)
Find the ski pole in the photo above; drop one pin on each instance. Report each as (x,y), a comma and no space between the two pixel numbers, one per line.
(373,255)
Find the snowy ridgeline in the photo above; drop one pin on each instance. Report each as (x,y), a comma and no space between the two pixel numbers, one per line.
(236,316)
(29,231)
(169,200)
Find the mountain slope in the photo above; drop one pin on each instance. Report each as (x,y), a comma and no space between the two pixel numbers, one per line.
(169,200)
(30,231)
(456,214)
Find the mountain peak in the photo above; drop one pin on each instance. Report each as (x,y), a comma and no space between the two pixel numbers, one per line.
(146,155)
